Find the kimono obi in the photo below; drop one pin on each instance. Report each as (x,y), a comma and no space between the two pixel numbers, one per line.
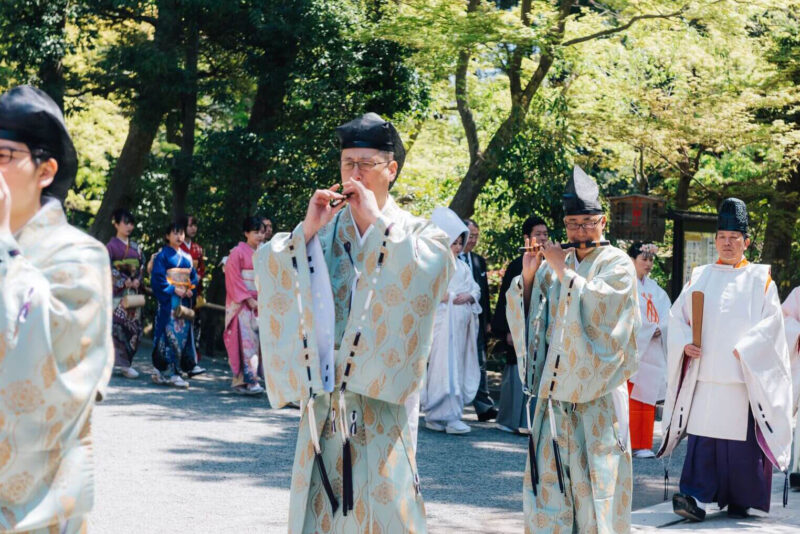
(249,279)
(128,265)
(179,276)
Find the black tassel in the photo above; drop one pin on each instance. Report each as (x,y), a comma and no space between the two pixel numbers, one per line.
(534,471)
(347,478)
(558,466)
(666,482)
(786,489)
(326,483)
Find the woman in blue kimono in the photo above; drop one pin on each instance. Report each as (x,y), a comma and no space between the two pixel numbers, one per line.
(173,279)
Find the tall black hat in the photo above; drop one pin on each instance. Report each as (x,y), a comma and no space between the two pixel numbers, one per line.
(28,115)
(733,216)
(582,196)
(371,131)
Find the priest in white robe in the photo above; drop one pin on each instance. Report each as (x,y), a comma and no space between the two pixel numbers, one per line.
(791,319)
(453,370)
(732,392)
(649,384)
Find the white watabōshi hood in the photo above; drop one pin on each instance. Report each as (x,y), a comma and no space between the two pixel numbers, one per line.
(447,220)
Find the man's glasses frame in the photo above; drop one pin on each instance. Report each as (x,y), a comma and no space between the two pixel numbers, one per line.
(7,154)
(590,225)
(366,166)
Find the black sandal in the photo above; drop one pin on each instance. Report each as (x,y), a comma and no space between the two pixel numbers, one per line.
(686,506)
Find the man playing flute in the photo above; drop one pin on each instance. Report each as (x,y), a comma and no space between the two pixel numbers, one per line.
(56,352)
(732,393)
(573,318)
(346,307)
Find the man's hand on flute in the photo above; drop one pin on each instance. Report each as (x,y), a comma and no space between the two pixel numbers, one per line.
(531,261)
(556,258)
(363,204)
(320,212)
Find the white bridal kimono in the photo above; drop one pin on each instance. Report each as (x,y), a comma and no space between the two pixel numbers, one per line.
(453,370)
(650,381)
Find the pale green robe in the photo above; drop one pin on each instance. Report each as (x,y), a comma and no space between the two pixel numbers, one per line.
(576,348)
(55,354)
(393,307)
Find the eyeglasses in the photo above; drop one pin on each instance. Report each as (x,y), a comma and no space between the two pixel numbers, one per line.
(586,226)
(366,166)
(7,154)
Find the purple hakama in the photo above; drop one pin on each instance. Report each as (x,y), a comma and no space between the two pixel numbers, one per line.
(728,471)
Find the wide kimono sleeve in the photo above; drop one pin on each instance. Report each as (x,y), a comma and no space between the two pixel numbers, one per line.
(390,332)
(56,356)
(663,305)
(234,283)
(765,363)
(475,291)
(158,278)
(117,278)
(286,320)
(529,330)
(596,336)
(791,324)
(679,334)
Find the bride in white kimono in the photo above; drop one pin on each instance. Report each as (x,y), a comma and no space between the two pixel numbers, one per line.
(453,372)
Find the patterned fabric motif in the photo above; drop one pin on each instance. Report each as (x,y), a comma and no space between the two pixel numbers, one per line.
(576,348)
(56,354)
(384,341)
(173,339)
(126,264)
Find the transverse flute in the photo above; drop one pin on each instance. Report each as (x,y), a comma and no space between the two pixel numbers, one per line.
(336,202)
(577,244)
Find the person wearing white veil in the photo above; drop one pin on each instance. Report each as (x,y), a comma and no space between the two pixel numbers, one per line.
(453,372)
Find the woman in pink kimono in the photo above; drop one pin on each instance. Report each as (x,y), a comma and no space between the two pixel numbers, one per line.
(241,310)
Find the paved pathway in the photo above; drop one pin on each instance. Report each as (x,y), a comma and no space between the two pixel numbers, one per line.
(207,460)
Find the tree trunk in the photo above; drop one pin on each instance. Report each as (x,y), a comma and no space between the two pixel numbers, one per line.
(484,167)
(682,193)
(183,170)
(779,235)
(121,187)
(487,163)
(154,102)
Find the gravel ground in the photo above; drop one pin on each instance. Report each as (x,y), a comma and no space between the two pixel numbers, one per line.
(207,460)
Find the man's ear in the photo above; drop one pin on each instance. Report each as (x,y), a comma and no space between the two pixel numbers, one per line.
(747,242)
(46,173)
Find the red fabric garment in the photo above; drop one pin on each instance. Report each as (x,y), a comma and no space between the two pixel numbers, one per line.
(196,252)
(236,293)
(642,419)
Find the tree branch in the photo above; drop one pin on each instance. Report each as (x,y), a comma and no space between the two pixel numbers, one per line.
(546,58)
(119,14)
(464,111)
(631,22)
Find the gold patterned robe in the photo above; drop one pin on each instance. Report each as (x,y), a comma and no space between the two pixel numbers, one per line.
(55,354)
(576,350)
(381,333)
